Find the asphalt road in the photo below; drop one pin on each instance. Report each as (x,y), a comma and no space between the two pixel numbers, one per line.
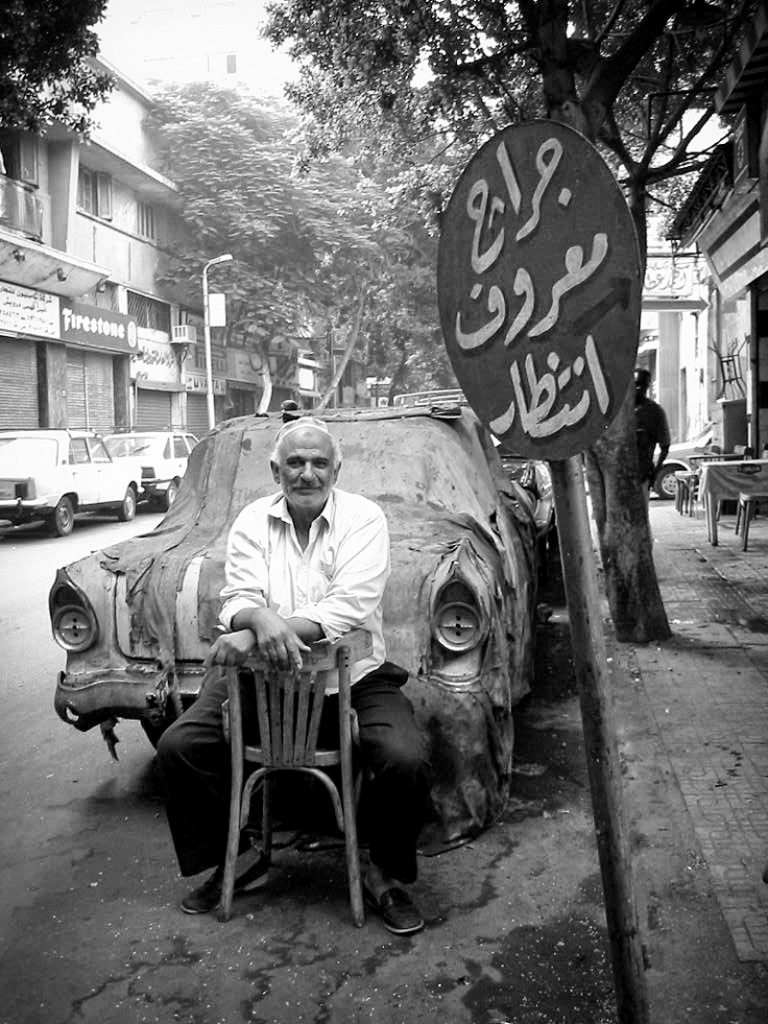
(43,762)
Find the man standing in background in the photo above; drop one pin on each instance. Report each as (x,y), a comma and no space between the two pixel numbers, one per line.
(651,430)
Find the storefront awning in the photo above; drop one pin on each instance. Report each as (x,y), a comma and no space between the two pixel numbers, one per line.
(33,265)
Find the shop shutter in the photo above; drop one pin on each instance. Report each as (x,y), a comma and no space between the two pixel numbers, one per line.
(76,403)
(197,414)
(99,376)
(18,385)
(153,409)
(90,390)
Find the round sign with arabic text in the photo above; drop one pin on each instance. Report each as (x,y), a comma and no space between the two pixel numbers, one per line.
(539,288)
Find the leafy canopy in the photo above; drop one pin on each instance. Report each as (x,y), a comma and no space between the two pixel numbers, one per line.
(636,76)
(44,70)
(313,248)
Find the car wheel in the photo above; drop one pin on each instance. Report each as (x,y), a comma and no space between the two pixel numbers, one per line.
(170,496)
(127,510)
(665,484)
(63,519)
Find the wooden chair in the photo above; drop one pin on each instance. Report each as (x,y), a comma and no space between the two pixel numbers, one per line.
(746,508)
(289,706)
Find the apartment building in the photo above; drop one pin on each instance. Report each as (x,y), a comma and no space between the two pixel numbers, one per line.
(193,41)
(726,217)
(86,337)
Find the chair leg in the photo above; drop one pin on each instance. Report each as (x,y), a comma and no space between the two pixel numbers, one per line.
(348,721)
(350,841)
(739,513)
(266,818)
(233,835)
(745,528)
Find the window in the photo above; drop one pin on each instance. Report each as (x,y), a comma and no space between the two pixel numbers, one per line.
(222,63)
(149,312)
(94,193)
(18,156)
(145,220)
(78,452)
(98,452)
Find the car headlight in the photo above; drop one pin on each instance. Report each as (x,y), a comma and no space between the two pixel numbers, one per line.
(457,626)
(458,623)
(73,622)
(73,628)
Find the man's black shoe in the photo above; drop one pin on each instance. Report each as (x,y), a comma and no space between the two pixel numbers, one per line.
(397,910)
(205,897)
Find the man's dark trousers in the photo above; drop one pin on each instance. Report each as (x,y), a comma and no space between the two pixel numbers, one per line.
(194,761)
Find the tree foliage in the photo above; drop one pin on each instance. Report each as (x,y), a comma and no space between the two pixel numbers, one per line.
(44,70)
(315,249)
(431,80)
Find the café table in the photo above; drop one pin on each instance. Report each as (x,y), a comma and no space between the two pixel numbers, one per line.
(722,481)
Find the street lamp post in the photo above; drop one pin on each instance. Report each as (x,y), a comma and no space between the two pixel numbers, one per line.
(224,258)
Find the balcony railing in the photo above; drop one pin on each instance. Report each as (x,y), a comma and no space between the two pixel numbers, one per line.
(21,209)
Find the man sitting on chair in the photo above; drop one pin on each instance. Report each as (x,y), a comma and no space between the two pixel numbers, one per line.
(305,564)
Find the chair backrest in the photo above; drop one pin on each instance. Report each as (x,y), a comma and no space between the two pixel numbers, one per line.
(289,708)
(289,704)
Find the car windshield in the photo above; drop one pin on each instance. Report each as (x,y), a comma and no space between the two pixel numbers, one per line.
(118,447)
(27,453)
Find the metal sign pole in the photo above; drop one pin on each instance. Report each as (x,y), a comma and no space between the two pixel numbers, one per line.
(589,659)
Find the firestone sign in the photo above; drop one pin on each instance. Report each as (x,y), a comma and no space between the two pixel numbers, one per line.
(539,288)
(97,328)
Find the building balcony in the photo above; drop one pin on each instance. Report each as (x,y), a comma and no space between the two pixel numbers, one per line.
(21,208)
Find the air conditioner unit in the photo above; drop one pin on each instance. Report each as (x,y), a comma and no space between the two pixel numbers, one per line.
(183,334)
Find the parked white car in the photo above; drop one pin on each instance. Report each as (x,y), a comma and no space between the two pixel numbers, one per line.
(51,475)
(161,461)
(683,456)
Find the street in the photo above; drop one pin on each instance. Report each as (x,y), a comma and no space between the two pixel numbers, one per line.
(515,932)
(54,779)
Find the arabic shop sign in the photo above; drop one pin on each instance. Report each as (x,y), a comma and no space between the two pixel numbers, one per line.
(97,328)
(26,311)
(539,289)
(197,383)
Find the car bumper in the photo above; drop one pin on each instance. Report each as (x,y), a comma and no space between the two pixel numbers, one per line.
(139,691)
(19,510)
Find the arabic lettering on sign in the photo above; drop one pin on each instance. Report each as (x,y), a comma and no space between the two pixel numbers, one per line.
(538,287)
(25,311)
(675,277)
(535,407)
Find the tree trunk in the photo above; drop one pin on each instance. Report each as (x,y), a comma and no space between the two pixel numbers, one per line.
(266,376)
(618,504)
(620,514)
(354,334)
(620,509)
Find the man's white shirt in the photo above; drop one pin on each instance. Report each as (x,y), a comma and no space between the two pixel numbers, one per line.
(337,581)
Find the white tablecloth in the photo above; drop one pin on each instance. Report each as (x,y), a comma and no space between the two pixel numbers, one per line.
(726,480)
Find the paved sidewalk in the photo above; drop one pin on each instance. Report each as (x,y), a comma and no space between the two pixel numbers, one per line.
(707,690)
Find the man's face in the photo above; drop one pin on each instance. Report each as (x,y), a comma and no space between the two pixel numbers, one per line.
(305,470)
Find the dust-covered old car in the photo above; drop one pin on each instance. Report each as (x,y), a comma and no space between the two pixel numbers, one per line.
(136,619)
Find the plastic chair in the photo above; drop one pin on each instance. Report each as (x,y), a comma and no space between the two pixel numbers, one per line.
(746,509)
(289,706)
